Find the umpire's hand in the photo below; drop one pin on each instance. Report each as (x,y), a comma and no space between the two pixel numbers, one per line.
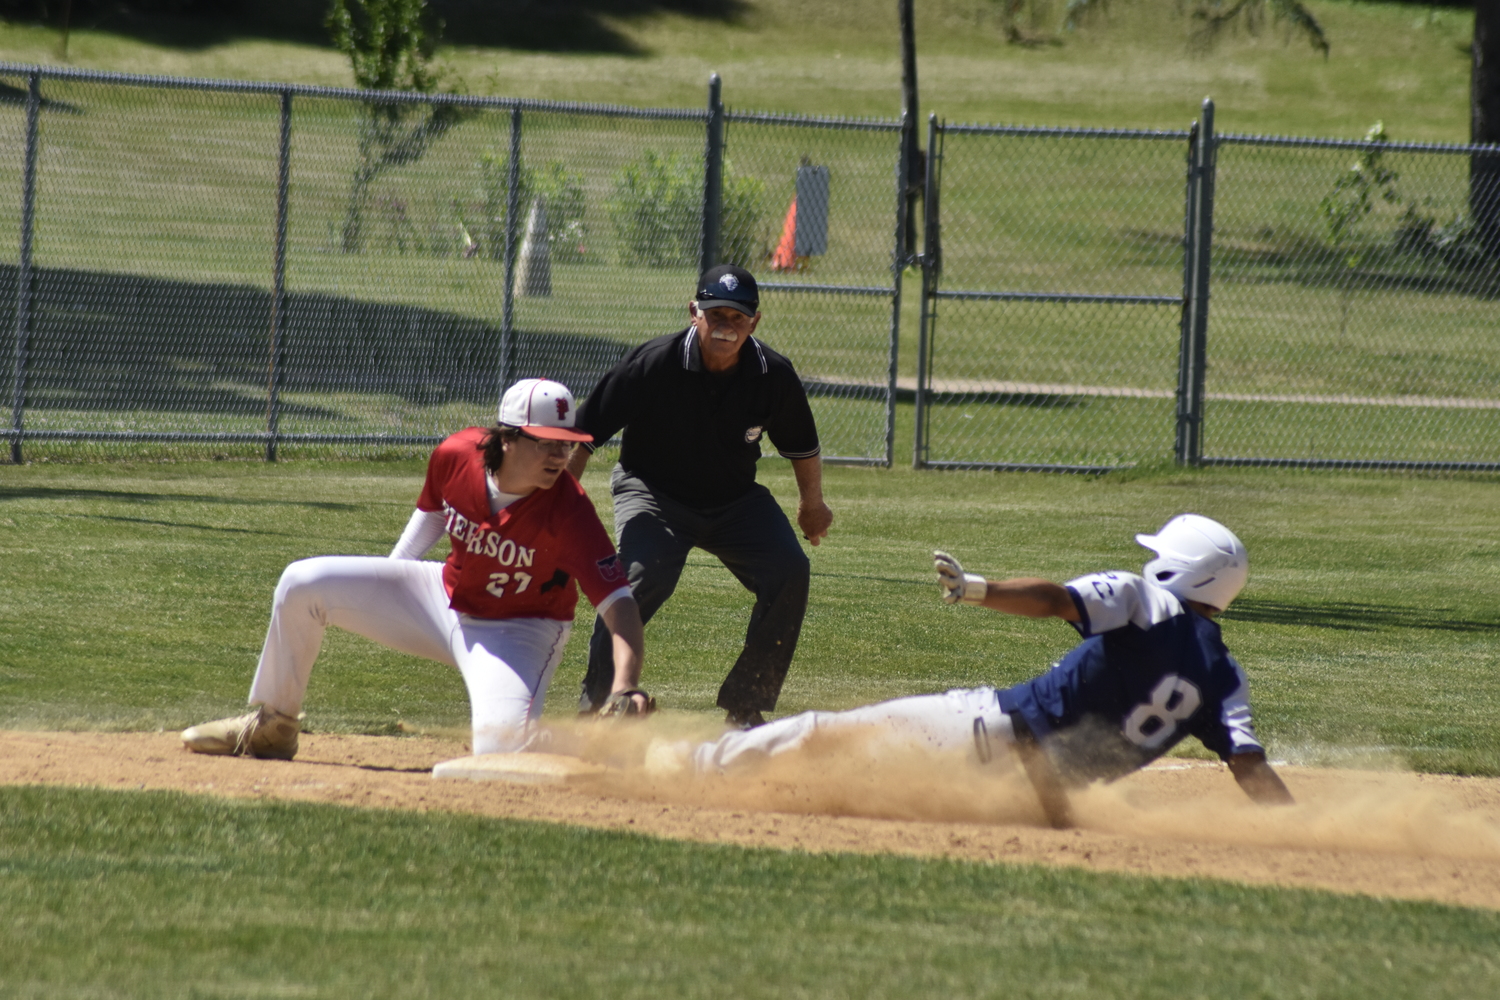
(814,520)
(813,515)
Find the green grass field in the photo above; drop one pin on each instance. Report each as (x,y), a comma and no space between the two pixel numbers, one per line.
(134,591)
(170,896)
(134,596)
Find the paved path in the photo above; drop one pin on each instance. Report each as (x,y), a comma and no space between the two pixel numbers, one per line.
(977,387)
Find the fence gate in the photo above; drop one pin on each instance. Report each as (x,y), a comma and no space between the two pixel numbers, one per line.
(1053,298)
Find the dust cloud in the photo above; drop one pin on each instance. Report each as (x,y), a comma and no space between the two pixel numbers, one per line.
(864,773)
(1419,816)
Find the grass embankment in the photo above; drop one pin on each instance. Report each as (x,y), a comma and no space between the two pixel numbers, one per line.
(1399,62)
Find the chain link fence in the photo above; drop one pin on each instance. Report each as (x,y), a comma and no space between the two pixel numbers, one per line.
(208,267)
(149,260)
(1054,306)
(438,252)
(1101,298)
(1354,319)
(211,267)
(823,255)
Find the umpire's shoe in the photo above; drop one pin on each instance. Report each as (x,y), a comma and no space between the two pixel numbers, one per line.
(744,718)
(264,732)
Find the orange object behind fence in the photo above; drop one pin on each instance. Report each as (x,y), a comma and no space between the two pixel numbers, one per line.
(785,257)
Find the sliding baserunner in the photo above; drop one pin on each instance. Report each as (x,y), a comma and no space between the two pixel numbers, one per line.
(1152,669)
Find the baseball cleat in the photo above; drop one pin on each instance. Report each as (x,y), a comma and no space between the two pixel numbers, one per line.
(264,733)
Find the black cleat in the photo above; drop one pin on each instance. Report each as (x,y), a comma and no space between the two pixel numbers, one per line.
(744,718)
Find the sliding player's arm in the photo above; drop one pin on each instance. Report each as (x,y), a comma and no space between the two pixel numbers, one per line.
(1030,597)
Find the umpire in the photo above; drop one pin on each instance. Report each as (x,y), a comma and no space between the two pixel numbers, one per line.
(693,407)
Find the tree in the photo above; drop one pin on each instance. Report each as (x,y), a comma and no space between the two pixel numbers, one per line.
(1484,126)
(389,42)
(1351,200)
(1215,17)
(390,45)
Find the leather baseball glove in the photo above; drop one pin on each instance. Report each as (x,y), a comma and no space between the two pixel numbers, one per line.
(623,704)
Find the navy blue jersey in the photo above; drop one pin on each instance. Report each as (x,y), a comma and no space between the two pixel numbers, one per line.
(1148,673)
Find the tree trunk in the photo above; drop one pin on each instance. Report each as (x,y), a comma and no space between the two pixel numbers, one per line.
(1484,126)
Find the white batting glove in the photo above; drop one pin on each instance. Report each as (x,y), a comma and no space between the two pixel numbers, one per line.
(958,585)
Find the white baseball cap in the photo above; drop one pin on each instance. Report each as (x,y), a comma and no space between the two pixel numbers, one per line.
(542,408)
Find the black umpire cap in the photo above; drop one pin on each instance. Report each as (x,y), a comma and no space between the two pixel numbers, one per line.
(727,285)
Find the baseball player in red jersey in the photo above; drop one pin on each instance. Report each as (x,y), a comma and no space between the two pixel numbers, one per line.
(524,537)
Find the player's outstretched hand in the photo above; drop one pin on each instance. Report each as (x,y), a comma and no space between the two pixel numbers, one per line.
(958,585)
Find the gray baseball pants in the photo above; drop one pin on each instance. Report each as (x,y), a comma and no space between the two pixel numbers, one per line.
(753,539)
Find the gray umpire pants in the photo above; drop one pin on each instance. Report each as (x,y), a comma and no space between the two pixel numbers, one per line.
(753,539)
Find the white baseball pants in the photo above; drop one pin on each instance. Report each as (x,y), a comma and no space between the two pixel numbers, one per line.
(506,663)
(964,718)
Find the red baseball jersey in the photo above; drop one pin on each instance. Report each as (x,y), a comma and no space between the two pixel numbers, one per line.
(522,562)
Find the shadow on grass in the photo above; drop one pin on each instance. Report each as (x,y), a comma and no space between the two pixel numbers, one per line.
(708,562)
(17,95)
(126,496)
(1033,400)
(566,25)
(180,524)
(539,25)
(899,582)
(1311,263)
(1353,617)
(112,344)
(196,26)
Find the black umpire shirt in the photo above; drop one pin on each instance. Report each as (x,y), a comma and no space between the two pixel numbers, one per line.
(695,434)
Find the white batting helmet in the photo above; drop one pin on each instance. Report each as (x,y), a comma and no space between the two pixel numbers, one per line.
(1197,559)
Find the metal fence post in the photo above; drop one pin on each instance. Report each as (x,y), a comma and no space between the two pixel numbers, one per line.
(931,266)
(899,259)
(278,284)
(23,272)
(1185,342)
(1199,225)
(713,178)
(512,206)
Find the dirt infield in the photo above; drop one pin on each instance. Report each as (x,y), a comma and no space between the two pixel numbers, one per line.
(1388,834)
